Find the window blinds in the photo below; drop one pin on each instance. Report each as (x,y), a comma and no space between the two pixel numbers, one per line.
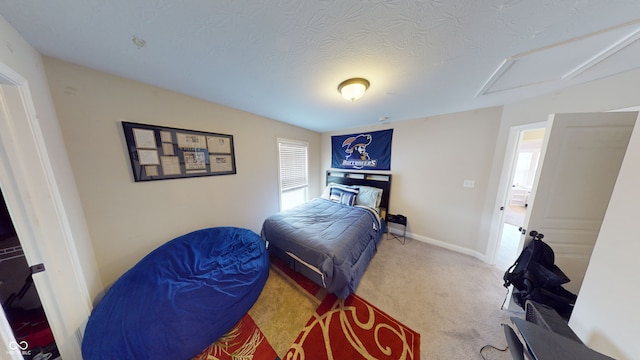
(293,165)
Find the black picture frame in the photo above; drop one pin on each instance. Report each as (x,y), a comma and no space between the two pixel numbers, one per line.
(160,152)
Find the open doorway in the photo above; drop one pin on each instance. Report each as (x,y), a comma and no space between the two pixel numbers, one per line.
(522,175)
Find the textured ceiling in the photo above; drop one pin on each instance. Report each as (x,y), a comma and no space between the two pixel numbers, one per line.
(284,59)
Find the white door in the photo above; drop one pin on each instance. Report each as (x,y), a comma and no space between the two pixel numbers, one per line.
(40,218)
(582,156)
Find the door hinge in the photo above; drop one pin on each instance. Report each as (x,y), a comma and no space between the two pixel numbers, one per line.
(37,268)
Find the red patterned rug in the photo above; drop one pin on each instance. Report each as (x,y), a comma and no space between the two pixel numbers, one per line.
(244,341)
(353,329)
(348,329)
(339,329)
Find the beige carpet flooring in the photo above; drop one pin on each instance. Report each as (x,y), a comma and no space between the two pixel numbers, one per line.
(452,300)
(282,311)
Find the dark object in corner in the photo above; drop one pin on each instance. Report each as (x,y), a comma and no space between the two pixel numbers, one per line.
(546,317)
(535,277)
(546,336)
(516,348)
(543,344)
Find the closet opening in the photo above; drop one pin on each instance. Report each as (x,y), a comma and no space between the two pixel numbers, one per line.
(19,297)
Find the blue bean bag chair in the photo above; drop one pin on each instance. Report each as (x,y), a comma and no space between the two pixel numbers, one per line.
(179,298)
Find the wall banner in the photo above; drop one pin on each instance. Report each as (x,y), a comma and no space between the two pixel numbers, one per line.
(363,151)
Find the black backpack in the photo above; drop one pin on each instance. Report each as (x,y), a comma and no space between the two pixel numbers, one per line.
(535,277)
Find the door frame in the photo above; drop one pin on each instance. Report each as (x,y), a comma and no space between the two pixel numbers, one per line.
(38,213)
(507,173)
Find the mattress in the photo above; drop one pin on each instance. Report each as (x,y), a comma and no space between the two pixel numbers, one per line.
(335,240)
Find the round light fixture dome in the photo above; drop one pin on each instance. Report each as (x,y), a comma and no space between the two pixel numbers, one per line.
(353,89)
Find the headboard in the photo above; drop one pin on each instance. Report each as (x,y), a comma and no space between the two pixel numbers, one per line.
(382,181)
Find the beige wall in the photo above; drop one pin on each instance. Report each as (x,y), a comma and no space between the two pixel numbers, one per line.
(126,219)
(430,159)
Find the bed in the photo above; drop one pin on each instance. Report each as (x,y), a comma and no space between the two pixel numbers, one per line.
(331,239)
(179,298)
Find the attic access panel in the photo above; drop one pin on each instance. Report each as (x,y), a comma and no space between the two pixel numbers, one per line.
(160,153)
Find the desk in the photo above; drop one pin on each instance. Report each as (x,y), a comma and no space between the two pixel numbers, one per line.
(547,345)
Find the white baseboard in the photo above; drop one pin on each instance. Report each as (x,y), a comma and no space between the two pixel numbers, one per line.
(443,244)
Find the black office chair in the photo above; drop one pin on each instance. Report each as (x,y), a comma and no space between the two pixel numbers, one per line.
(547,317)
(516,348)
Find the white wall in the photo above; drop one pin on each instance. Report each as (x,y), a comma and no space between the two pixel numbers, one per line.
(127,219)
(430,159)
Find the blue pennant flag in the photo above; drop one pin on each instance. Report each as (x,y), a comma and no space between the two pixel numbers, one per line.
(362,151)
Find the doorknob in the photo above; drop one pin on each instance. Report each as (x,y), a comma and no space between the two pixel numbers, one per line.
(522,230)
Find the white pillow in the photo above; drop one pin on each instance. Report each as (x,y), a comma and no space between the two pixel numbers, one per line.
(369,196)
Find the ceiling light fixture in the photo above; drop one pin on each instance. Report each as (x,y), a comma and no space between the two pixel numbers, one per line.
(353,89)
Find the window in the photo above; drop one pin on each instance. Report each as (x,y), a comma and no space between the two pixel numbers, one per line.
(292,156)
(527,163)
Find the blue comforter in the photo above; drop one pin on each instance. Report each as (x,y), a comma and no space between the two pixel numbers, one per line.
(180,298)
(339,240)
